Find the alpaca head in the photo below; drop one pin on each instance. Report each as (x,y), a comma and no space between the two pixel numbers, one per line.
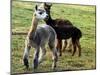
(40,12)
(47,7)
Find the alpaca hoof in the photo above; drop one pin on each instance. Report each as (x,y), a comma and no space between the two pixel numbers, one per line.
(63,50)
(53,68)
(79,55)
(70,51)
(72,54)
(35,67)
(60,55)
(35,64)
(26,63)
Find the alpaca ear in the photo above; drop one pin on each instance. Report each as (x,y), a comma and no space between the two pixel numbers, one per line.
(48,4)
(36,7)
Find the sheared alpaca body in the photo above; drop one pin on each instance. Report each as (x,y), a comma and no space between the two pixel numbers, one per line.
(64,30)
(38,37)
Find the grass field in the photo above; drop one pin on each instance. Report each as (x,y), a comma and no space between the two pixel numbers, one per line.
(82,17)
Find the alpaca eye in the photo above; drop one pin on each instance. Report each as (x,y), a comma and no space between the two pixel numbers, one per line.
(40,13)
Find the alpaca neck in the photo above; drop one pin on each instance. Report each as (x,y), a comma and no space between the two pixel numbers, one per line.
(33,25)
(50,21)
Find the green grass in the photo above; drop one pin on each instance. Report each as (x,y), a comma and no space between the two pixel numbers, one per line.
(82,17)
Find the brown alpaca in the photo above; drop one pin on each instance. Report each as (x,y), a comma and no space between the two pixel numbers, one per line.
(58,23)
(64,30)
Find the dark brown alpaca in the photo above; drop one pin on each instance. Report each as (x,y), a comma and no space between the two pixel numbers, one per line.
(59,23)
(64,30)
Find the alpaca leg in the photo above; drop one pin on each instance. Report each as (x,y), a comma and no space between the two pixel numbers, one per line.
(54,55)
(26,56)
(65,44)
(36,56)
(74,47)
(69,46)
(79,47)
(54,58)
(59,46)
(42,54)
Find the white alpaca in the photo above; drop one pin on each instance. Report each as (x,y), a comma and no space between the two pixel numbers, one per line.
(37,37)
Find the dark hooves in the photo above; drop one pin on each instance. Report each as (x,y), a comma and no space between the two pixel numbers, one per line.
(26,63)
(72,54)
(60,54)
(79,55)
(35,63)
(35,66)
